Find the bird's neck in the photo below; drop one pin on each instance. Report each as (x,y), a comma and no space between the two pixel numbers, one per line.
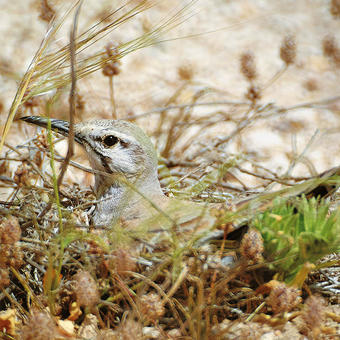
(123,199)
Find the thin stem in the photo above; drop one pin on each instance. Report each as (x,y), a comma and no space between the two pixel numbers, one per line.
(112,99)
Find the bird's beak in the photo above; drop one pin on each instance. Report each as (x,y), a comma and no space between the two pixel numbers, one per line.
(57,125)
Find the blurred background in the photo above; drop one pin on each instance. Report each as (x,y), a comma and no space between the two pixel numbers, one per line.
(273,65)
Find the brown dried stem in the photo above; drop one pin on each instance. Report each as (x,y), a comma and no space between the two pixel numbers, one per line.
(72,97)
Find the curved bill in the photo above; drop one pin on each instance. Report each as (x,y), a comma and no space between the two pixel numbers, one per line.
(57,125)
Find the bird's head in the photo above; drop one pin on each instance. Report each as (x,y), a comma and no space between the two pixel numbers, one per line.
(114,147)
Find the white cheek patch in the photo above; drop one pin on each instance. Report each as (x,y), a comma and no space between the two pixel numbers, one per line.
(122,161)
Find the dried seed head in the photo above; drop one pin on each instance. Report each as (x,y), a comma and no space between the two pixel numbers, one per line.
(185,72)
(330,49)
(23,175)
(86,290)
(10,253)
(288,50)
(47,13)
(41,140)
(329,46)
(111,69)
(40,326)
(10,231)
(130,329)
(314,313)
(311,85)
(335,8)
(4,168)
(252,245)
(151,307)
(123,262)
(15,260)
(111,50)
(283,299)
(248,66)
(111,66)
(253,94)
(4,278)
(10,256)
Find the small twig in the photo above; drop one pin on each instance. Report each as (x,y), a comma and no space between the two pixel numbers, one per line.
(276,76)
(317,103)
(161,110)
(72,96)
(266,178)
(299,157)
(34,166)
(112,98)
(246,121)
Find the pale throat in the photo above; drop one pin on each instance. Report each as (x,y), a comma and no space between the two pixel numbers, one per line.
(117,200)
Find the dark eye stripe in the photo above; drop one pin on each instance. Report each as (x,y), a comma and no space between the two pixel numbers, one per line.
(110,140)
(103,159)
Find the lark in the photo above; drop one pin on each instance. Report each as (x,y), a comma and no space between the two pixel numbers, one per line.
(128,191)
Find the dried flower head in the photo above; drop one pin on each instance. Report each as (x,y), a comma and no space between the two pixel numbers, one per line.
(288,50)
(248,66)
(330,49)
(47,13)
(41,140)
(86,290)
(130,329)
(4,277)
(185,72)
(151,306)
(283,299)
(10,251)
(4,168)
(253,94)
(23,175)
(311,84)
(111,66)
(251,246)
(10,231)
(123,261)
(329,46)
(40,326)
(335,8)
(10,256)
(314,314)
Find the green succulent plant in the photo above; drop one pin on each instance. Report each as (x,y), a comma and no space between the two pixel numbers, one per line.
(296,232)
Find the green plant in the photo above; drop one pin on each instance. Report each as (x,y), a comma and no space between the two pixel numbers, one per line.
(296,232)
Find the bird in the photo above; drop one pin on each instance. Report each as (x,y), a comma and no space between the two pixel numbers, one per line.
(129,193)
(127,187)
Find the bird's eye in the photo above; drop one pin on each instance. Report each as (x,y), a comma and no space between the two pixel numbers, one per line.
(110,140)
